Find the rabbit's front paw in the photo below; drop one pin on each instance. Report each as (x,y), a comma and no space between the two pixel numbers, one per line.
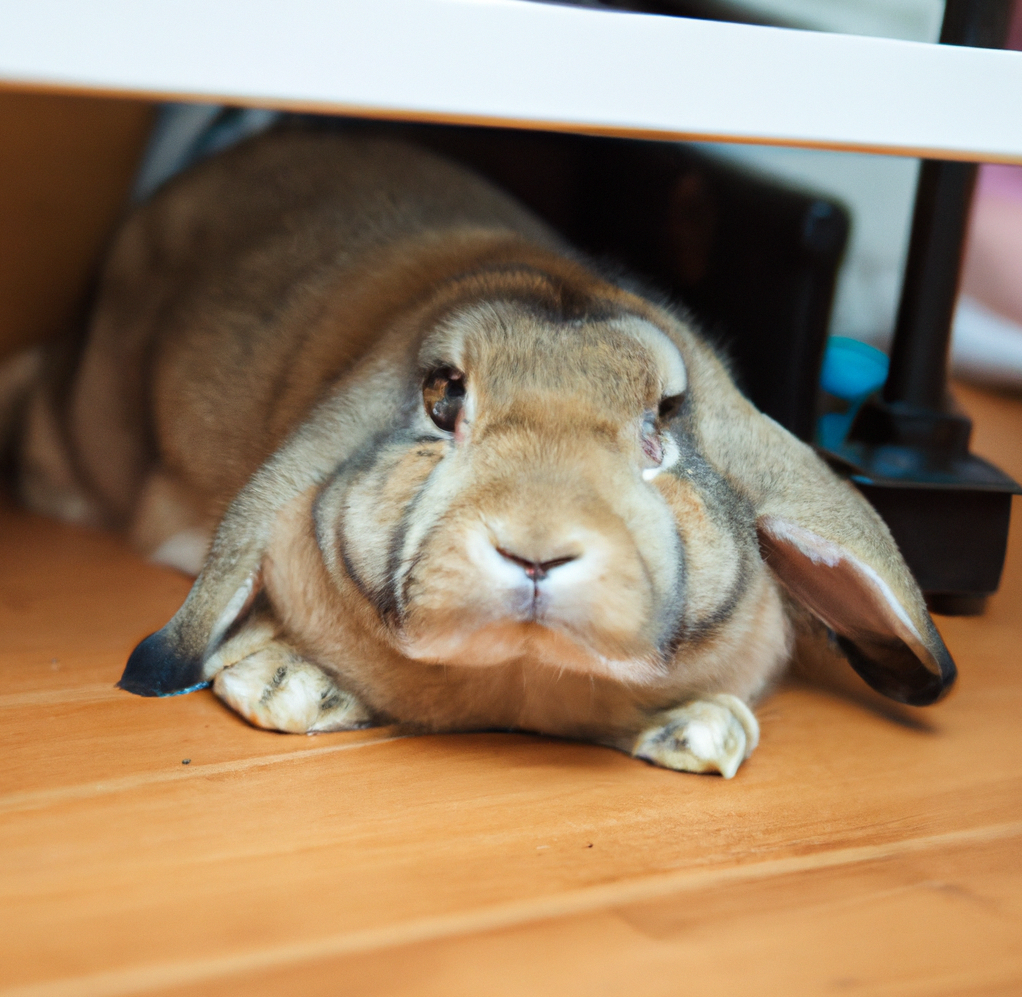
(274,687)
(714,734)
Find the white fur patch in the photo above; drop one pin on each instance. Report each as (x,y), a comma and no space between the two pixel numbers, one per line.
(818,550)
(713,734)
(513,617)
(230,613)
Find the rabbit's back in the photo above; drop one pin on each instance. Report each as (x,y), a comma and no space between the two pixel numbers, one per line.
(247,286)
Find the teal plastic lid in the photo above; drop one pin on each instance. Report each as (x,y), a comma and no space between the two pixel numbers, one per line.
(852,369)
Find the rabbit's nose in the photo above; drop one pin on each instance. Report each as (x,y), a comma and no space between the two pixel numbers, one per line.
(536,570)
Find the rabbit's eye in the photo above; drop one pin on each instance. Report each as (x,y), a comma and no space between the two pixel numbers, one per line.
(670,406)
(443,394)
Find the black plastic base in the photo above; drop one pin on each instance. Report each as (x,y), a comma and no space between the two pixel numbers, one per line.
(949,604)
(949,517)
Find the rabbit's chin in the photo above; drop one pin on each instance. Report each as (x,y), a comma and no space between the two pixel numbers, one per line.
(505,642)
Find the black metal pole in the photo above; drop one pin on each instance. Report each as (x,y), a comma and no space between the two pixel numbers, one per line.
(918,373)
(919,353)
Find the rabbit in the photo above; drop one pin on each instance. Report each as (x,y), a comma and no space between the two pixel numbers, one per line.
(432,468)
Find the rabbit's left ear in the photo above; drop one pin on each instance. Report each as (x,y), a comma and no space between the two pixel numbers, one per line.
(823,541)
(903,660)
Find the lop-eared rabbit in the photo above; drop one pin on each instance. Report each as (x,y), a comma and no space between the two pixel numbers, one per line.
(431,468)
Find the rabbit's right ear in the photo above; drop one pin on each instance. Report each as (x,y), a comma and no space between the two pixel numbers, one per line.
(823,542)
(173,660)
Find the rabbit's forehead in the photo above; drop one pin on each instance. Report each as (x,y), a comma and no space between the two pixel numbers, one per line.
(503,346)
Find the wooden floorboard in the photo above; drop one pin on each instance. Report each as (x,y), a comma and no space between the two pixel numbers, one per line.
(861,850)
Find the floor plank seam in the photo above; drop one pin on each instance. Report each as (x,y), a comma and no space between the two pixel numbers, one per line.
(56,697)
(39,799)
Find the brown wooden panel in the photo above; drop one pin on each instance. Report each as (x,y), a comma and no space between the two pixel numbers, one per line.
(73,603)
(66,165)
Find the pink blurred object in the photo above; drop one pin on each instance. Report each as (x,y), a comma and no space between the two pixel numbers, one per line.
(996,180)
(1015,31)
(992,273)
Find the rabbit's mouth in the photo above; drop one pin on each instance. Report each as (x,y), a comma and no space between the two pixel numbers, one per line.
(578,610)
(533,642)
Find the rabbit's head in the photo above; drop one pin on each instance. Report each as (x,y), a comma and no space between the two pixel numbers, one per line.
(522,508)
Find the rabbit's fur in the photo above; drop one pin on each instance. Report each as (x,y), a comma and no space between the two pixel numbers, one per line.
(607,541)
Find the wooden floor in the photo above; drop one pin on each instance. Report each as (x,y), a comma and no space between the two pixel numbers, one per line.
(164,847)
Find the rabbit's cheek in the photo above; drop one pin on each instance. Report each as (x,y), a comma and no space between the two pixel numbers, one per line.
(717,562)
(364,512)
(598,594)
(460,574)
(454,644)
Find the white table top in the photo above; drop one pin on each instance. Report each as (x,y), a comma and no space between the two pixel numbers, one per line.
(513,62)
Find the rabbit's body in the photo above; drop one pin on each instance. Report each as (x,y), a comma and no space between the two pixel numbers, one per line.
(455,478)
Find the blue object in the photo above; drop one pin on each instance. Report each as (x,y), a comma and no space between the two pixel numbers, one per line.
(852,370)
(183,692)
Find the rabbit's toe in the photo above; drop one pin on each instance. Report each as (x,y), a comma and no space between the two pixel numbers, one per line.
(276,688)
(715,734)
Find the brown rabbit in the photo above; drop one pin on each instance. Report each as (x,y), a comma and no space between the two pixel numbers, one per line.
(431,468)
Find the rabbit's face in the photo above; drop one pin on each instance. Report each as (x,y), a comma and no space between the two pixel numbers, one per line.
(544,500)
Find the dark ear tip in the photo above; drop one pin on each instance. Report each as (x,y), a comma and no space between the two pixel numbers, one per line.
(156,668)
(931,689)
(938,684)
(898,674)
